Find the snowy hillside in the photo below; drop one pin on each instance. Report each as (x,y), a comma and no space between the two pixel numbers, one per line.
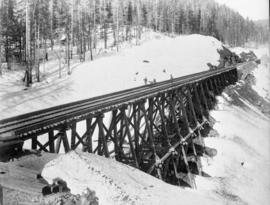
(159,57)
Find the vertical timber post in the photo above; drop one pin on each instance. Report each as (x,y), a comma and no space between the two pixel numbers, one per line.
(51,142)
(102,138)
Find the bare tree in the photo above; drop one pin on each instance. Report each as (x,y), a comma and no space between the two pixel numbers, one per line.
(91,17)
(28,74)
(0,44)
(94,26)
(0,53)
(104,22)
(37,46)
(117,24)
(51,23)
(72,28)
(138,22)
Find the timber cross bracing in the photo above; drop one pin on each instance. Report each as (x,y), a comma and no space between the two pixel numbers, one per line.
(156,128)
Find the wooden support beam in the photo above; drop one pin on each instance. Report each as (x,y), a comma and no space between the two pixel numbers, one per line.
(51,141)
(175,121)
(212,86)
(208,96)
(227,78)
(102,138)
(80,140)
(41,147)
(134,155)
(215,83)
(58,142)
(191,106)
(88,145)
(231,77)
(197,158)
(163,121)
(198,101)
(116,140)
(224,80)
(204,98)
(148,128)
(221,83)
(150,134)
(34,143)
(183,109)
(113,123)
(150,114)
(175,165)
(73,136)
(136,130)
(65,141)
(184,94)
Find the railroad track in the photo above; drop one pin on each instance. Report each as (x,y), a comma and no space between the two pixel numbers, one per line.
(39,121)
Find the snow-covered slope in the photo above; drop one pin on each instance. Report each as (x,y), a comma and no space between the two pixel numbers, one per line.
(159,57)
(116,183)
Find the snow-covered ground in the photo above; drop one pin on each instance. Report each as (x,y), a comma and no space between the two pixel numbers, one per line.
(158,57)
(239,173)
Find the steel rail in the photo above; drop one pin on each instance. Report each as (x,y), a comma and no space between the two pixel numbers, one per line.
(59,114)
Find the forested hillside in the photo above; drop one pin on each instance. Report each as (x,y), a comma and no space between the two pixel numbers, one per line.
(29,28)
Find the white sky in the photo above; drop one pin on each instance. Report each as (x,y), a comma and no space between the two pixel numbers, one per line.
(254,9)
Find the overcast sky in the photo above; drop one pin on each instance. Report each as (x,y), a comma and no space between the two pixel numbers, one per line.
(254,9)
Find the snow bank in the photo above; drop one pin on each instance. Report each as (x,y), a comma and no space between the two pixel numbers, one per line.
(116,183)
(160,58)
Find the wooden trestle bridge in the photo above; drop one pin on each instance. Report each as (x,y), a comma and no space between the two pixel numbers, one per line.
(156,128)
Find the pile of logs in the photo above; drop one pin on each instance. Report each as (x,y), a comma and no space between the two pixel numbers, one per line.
(227,58)
(250,56)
